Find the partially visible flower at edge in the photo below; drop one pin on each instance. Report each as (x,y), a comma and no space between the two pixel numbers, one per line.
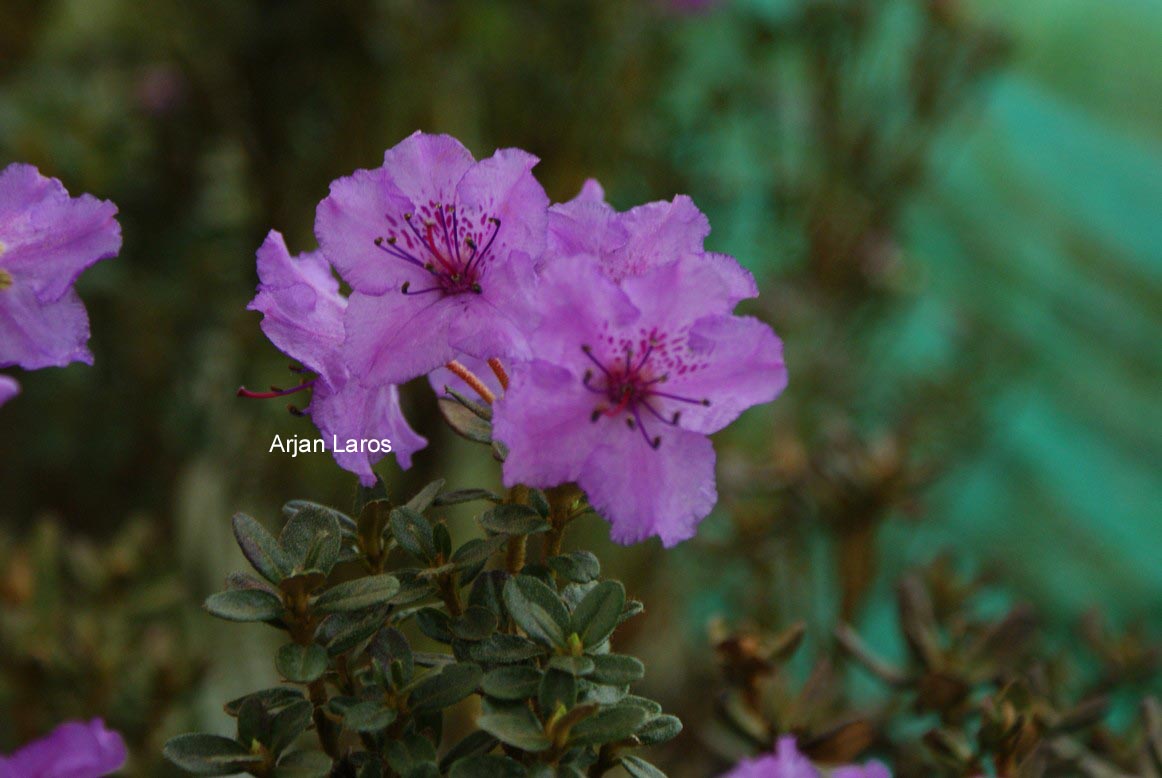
(441,252)
(633,242)
(47,239)
(627,382)
(303,315)
(787,762)
(74,749)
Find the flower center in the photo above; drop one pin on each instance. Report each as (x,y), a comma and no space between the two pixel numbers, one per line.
(453,247)
(633,385)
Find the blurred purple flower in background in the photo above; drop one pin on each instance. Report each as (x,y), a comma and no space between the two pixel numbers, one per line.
(303,315)
(74,749)
(787,762)
(626,384)
(47,239)
(441,253)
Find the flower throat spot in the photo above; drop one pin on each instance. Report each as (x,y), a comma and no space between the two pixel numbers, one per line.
(628,385)
(455,251)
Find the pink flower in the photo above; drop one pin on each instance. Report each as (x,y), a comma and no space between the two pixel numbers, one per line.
(787,762)
(73,750)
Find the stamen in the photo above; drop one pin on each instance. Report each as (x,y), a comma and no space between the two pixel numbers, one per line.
(585,382)
(407,285)
(704,401)
(470,378)
(673,422)
(480,256)
(656,441)
(498,370)
(244,392)
(588,350)
(388,246)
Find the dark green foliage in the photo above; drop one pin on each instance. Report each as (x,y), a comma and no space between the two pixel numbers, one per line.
(531,643)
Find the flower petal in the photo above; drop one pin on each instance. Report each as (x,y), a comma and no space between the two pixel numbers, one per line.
(9,388)
(48,238)
(302,310)
(425,167)
(543,418)
(35,334)
(644,492)
(74,749)
(356,412)
(393,338)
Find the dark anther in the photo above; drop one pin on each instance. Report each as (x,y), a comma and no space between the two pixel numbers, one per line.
(294,411)
(405,287)
(477,288)
(595,415)
(655,443)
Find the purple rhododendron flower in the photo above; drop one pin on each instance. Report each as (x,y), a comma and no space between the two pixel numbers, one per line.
(74,749)
(787,762)
(634,242)
(47,239)
(627,382)
(9,388)
(441,253)
(303,315)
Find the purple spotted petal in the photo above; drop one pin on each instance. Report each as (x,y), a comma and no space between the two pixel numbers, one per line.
(452,247)
(9,388)
(302,310)
(73,750)
(49,238)
(645,492)
(358,413)
(602,402)
(35,334)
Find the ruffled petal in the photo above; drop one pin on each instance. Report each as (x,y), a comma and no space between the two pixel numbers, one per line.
(426,168)
(48,238)
(503,187)
(661,492)
(35,334)
(302,310)
(74,749)
(360,413)
(735,363)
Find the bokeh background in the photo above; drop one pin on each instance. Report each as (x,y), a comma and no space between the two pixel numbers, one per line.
(954,208)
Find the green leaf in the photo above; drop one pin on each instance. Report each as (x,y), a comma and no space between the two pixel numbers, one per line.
(346,523)
(616,669)
(368,717)
(513,519)
(368,494)
(466,495)
(464,421)
(253,722)
(448,687)
(414,533)
(640,768)
(358,594)
(597,615)
(244,605)
(389,648)
(475,743)
(515,725)
(557,688)
(344,631)
(573,665)
(424,497)
(476,551)
(261,549)
(488,766)
(576,566)
(608,725)
(537,609)
(631,609)
(301,664)
(291,722)
(539,502)
(487,591)
(435,624)
(518,682)
(504,649)
(271,699)
(202,754)
(659,729)
(303,764)
(312,539)
(476,624)
(651,707)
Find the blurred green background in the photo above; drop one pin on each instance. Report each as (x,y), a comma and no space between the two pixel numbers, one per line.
(954,208)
